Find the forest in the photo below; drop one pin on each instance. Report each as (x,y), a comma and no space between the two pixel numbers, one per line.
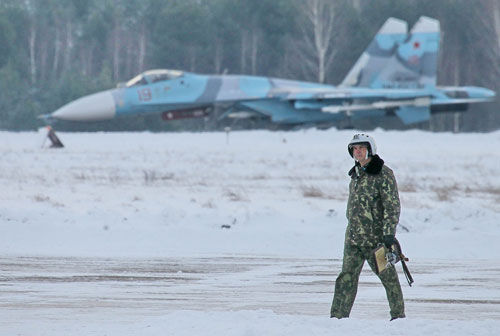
(54,51)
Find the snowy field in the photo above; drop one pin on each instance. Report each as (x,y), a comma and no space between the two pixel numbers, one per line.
(204,234)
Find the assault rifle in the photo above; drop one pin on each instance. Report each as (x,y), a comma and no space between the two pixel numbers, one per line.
(386,257)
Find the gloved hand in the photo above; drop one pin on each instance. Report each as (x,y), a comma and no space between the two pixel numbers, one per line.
(389,240)
(391,258)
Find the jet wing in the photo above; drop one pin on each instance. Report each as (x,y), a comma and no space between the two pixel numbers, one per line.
(297,105)
(343,93)
(379,105)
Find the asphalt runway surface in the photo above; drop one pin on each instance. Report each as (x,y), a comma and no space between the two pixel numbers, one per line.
(34,288)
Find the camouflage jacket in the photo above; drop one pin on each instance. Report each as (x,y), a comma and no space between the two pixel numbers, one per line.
(373,207)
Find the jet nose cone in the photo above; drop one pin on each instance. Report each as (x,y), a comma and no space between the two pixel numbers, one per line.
(97,106)
(481,93)
(490,93)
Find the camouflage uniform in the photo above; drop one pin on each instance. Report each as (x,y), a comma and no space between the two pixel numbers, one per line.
(372,211)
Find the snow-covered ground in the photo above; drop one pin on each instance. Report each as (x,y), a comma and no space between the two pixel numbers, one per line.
(204,234)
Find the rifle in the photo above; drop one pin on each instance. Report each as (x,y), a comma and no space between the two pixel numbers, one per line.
(385,257)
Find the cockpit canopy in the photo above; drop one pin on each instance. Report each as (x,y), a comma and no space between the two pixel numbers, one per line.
(152,76)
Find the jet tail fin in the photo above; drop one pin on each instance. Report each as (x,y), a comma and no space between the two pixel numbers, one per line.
(397,59)
(381,48)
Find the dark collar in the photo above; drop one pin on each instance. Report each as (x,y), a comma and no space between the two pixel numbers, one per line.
(374,167)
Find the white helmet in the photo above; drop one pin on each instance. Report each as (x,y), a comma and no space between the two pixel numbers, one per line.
(363,139)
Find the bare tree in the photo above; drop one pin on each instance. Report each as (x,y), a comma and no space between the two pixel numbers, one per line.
(32,53)
(117,38)
(316,45)
(254,49)
(142,48)
(495,6)
(219,54)
(57,47)
(243,51)
(31,10)
(69,43)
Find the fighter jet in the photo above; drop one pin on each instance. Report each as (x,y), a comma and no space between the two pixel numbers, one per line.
(396,75)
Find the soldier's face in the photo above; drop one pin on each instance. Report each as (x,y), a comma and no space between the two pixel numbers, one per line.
(359,152)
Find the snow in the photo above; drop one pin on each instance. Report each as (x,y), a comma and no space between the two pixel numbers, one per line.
(209,234)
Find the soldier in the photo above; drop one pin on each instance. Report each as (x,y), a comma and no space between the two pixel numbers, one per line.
(373,211)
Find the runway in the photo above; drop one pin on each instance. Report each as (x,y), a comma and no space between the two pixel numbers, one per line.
(63,288)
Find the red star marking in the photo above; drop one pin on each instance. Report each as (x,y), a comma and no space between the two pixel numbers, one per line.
(416,45)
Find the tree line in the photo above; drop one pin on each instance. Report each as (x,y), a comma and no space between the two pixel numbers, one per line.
(54,51)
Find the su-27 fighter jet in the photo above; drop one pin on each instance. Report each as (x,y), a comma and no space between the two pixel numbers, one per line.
(396,75)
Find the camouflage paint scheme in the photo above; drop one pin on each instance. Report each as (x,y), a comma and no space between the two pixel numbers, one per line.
(373,210)
(395,75)
(346,284)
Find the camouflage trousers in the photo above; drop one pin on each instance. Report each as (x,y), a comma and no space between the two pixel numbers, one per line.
(346,285)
